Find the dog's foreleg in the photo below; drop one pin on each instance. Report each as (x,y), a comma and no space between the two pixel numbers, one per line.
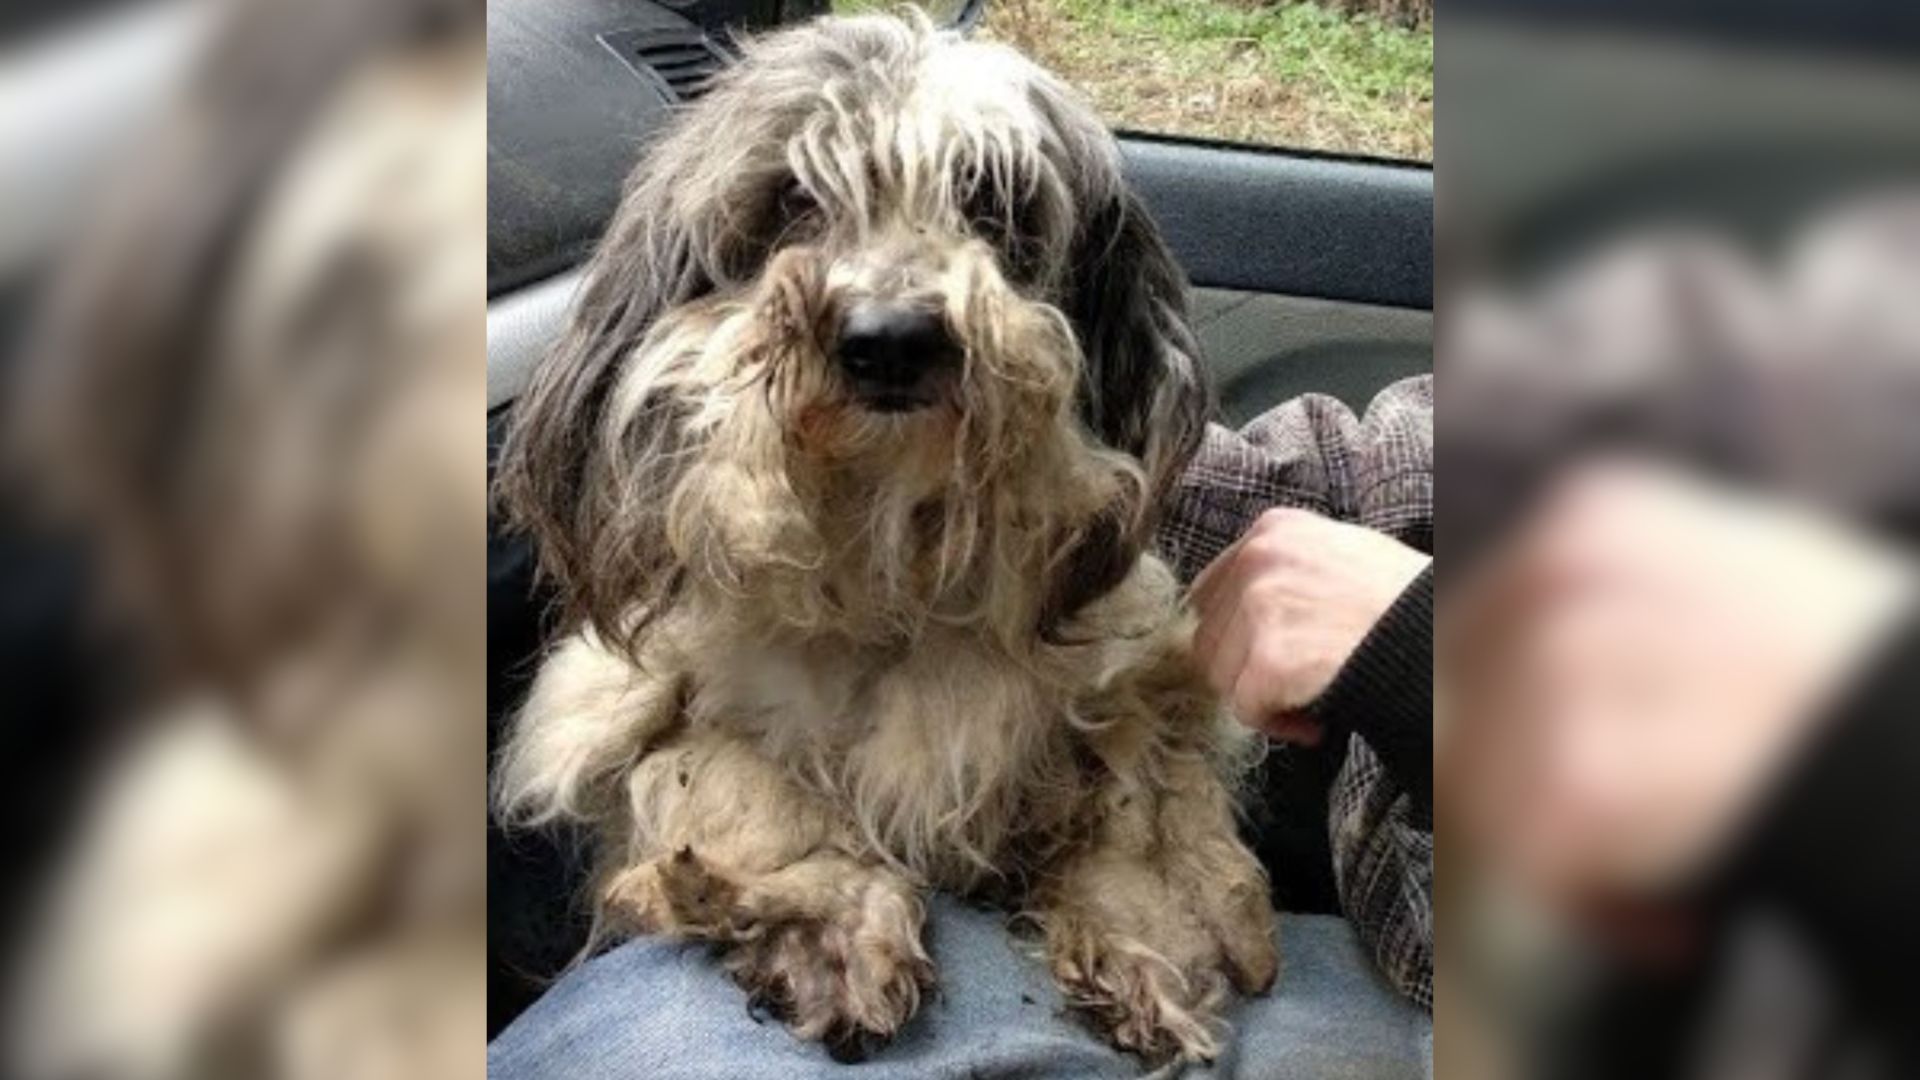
(729,849)
(1150,923)
(591,711)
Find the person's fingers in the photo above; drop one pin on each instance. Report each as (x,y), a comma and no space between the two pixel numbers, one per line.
(1215,614)
(1491,654)
(1226,661)
(1605,526)
(1209,582)
(1293,727)
(1550,558)
(1218,594)
(1483,615)
(1251,699)
(1578,747)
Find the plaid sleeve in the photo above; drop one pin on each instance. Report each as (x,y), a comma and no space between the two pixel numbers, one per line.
(1377,471)
(1383,869)
(1313,453)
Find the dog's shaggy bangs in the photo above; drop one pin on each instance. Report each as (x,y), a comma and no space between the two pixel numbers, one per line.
(855,120)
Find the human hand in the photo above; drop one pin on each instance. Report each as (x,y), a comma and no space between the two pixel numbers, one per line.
(1284,607)
(1631,674)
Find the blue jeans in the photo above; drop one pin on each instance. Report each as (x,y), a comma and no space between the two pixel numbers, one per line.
(658,1010)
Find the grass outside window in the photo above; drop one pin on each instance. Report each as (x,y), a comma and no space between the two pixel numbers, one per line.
(1289,73)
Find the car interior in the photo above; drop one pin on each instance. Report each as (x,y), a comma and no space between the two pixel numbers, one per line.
(1311,273)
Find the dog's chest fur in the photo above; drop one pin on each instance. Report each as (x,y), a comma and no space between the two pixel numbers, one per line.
(941,754)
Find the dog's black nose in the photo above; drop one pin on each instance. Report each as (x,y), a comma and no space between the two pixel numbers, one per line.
(892,351)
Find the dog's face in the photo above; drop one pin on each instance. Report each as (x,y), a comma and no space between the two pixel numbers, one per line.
(879,314)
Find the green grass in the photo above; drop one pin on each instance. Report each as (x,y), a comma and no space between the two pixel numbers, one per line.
(1285,73)
(1298,41)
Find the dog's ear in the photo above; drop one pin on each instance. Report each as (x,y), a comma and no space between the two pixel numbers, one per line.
(555,481)
(1094,557)
(1142,389)
(1142,392)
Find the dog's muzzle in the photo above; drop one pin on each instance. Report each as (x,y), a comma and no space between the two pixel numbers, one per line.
(894,354)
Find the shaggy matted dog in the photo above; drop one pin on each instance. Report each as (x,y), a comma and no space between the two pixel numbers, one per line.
(846,467)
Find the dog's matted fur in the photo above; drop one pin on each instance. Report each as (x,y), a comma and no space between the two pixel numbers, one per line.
(846,469)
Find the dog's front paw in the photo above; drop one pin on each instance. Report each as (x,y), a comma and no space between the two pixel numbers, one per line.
(850,980)
(680,895)
(829,945)
(1150,950)
(1140,998)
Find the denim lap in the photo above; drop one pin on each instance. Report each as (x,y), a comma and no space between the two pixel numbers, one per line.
(660,1010)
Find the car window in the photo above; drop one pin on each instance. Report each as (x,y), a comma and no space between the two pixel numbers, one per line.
(1340,76)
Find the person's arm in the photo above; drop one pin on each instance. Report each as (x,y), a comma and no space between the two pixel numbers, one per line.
(1645,665)
(1300,533)
(1308,453)
(1384,693)
(1286,610)
(1854,792)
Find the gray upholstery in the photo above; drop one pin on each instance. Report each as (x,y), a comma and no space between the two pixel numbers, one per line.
(520,326)
(1283,222)
(566,119)
(1264,348)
